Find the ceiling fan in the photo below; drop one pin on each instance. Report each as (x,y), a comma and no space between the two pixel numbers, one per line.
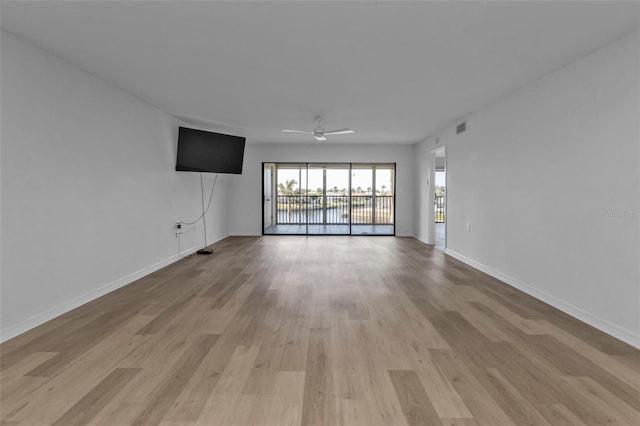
(319,133)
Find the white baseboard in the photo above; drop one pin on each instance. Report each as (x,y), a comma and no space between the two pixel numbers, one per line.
(566,307)
(42,317)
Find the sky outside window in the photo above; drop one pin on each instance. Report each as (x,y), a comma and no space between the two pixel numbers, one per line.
(338,178)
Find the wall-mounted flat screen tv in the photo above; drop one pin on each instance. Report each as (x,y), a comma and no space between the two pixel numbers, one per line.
(202,151)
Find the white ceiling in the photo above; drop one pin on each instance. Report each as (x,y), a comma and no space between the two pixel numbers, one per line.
(395,72)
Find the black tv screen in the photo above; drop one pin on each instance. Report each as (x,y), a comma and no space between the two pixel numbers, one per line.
(201,151)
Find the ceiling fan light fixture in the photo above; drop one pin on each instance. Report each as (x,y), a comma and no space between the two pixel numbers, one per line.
(319,133)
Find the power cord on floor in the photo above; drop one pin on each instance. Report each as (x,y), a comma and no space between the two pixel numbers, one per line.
(204,212)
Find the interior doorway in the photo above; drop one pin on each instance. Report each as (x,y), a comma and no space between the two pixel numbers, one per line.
(438,194)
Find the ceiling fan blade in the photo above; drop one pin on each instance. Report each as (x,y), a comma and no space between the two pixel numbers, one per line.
(320,138)
(297,131)
(339,132)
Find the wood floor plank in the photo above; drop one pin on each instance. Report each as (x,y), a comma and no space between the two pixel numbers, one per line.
(287,399)
(13,380)
(170,312)
(353,412)
(559,415)
(61,391)
(569,362)
(509,398)
(220,282)
(81,341)
(95,400)
(416,406)
(383,406)
(446,401)
(294,353)
(154,355)
(318,331)
(613,410)
(167,392)
(527,376)
(421,328)
(193,398)
(13,350)
(60,329)
(225,400)
(466,340)
(620,370)
(264,372)
(459,422)
(484,408)
(489,328)
(318,405)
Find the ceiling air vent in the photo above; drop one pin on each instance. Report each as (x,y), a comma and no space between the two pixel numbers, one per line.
(461,127)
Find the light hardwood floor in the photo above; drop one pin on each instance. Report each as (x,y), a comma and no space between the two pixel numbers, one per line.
(318,331)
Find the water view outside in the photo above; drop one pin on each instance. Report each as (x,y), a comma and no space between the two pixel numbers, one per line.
(310,209)
(320,195)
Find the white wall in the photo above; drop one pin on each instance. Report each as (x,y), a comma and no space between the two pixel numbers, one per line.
(535,175)
(246,192)
(89,192)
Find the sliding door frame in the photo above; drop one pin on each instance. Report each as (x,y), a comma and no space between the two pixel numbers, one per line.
(324,194)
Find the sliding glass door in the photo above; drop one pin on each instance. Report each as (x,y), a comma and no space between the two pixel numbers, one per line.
(289,185)
(328,199)
(328,205)
(372,199)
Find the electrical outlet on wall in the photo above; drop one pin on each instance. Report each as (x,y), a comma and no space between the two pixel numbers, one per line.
(468,227)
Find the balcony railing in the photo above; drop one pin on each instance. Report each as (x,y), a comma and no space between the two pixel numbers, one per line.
(334,209)
(439,206)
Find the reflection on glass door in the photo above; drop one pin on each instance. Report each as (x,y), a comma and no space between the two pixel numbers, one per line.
(329,199)
(372,199)
(291,213)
